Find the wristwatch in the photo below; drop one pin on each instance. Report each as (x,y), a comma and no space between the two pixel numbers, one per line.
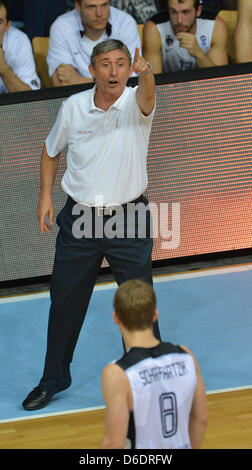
(148,71)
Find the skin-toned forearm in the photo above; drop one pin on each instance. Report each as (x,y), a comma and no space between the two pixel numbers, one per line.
(48,172)
(152,47)
(112,443)
(66,75)
(115,387)
(243,36)
(79,81)
(243,32)
(197,431)
(203,60)
(199,412)
(12,82)
(146,84)
(146,91)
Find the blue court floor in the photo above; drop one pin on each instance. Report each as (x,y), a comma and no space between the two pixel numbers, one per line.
(210,311)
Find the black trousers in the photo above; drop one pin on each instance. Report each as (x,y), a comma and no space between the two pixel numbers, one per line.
(76,268)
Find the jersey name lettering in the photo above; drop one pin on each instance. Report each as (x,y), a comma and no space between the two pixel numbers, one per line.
(170,371)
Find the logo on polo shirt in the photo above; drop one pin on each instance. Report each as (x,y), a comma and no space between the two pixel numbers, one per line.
(87,132)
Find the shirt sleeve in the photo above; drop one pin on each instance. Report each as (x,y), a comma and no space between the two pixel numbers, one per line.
(58,137)
(59,50)
(23,64)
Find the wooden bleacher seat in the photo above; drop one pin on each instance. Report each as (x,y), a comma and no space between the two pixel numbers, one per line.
(40,47)
(230,18)
(140,30)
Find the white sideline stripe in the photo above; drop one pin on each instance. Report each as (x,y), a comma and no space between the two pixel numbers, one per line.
(156,279)
(83,410)
(232,389)
(48,415)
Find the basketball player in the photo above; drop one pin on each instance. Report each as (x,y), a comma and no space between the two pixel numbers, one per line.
(181,38)
(154,395)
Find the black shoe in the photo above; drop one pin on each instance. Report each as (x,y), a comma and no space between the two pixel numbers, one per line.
(39,398)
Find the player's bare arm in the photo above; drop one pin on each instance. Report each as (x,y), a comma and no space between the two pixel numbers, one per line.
(218,52)
(243,32)
(152,46)
(116,393)
(199,413)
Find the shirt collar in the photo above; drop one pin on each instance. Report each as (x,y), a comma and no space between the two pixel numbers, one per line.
(119,104)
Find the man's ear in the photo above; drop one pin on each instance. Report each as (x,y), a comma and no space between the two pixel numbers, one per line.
(199,10)
(9,25)
(115,318)
(155,316)
(91,70)
(77,6)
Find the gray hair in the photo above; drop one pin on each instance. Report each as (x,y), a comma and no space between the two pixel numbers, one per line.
(108,46)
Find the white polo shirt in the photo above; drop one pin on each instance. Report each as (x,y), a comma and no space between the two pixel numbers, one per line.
(19,56)
(107,150)
(66,44)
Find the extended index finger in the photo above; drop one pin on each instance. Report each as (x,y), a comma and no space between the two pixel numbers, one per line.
(137,54)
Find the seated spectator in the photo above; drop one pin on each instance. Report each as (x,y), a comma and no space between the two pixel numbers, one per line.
(17,67)
(141,10)
(243,32)
(178,39)
(74,35)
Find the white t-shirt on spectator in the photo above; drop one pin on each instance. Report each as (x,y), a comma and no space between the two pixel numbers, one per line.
(67,47)
(19,56)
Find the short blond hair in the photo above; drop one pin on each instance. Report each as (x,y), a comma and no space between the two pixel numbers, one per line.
(135,304)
